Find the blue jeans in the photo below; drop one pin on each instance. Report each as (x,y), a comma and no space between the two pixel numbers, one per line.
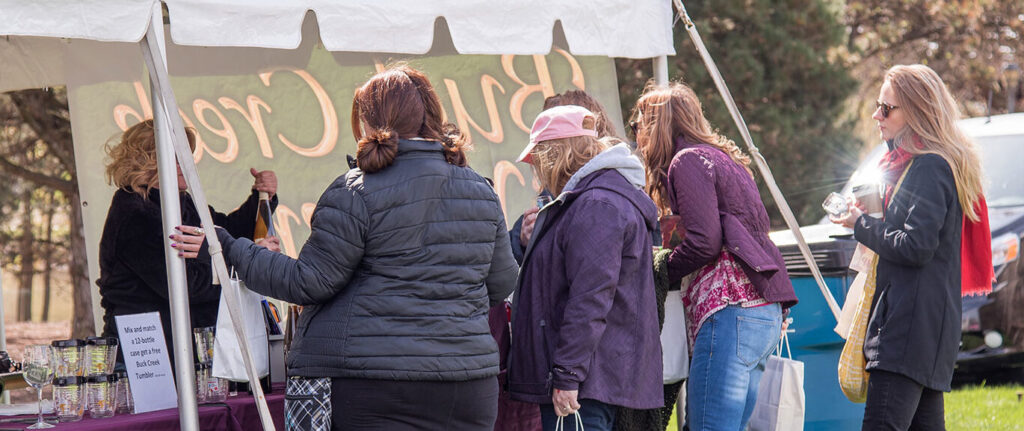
(597,416)
(729,354)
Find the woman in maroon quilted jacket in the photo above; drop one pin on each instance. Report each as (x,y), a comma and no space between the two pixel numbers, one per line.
(734,303)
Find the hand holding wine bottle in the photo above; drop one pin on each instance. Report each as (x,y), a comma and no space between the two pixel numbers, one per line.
(264,182)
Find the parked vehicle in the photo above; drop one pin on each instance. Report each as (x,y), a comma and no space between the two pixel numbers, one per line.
(993,325)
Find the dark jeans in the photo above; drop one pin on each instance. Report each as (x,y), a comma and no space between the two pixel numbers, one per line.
(897,403)
(597,416)
(389,405)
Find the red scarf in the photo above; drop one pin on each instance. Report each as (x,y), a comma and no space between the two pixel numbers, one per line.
(976,272)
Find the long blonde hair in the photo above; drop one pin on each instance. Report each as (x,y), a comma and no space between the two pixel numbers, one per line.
(132,162)
(931,115)
(665,113)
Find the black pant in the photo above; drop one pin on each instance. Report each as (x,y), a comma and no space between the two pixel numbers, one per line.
(897,403)
(390,405)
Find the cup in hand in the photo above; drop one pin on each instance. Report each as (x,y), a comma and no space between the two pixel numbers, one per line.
(836,206)
(869,199)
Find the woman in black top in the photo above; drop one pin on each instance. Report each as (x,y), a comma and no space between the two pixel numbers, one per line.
(133,278)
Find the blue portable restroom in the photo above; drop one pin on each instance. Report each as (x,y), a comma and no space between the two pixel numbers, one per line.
(813,340)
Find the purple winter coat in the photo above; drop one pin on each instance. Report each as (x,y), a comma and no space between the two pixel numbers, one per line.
(719,206)
(585,315)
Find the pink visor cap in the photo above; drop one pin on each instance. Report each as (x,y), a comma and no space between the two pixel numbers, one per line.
(557,123)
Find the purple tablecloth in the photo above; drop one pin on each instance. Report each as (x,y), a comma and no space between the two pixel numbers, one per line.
(238,413)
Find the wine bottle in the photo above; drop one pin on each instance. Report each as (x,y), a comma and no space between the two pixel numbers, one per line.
(264,219)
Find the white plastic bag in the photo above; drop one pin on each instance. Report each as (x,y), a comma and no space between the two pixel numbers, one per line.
(227,356)
(675,359)
(560,422)
(849,311)
(780,394)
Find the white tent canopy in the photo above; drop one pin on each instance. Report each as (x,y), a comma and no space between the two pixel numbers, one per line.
(44,40)
(614,28)
(40,33)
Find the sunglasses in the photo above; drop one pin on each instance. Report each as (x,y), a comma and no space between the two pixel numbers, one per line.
(886,108)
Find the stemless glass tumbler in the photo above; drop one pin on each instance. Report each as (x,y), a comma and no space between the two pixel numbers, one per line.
(125,403)
(204,344)
(69,357)
(69,398)
(102,395)
(100,355)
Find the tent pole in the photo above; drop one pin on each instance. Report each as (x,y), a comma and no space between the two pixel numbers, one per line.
(6,397)
(759,160)
(165,102)
(660,69)
(181,327)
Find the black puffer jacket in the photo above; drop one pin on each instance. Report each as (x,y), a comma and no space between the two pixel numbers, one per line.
(397,275)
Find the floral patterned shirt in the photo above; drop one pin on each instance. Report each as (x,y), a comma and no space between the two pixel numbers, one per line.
(717,285)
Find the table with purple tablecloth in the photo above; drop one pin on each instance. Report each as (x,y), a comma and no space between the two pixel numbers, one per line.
(238,413)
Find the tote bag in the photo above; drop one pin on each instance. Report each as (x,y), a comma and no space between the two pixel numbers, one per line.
(227,356)
(780,394)
(853,378)
(675,359)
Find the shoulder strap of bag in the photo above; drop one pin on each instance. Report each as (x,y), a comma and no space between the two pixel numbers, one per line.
(899,183)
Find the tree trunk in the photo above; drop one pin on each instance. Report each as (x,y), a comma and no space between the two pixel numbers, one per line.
(82,324)
(51,208)
(28,259)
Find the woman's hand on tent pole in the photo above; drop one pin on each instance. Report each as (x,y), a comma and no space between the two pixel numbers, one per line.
(188,241)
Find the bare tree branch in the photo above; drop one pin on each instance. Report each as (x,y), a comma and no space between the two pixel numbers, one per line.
(64,186)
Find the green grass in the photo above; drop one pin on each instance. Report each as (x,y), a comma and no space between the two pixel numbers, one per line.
(987,408)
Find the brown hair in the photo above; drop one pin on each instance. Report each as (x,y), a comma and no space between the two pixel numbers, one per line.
(931,114)
(132,162)
(663,114)
(400,103)
(603,124)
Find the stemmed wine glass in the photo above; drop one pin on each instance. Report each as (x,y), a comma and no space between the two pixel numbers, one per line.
(37,368)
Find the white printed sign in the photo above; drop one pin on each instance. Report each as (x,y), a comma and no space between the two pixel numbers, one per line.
(145,357)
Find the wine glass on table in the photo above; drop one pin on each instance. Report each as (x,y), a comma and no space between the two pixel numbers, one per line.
(37,368)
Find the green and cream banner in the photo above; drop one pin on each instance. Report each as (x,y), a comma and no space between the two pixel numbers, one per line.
(289,111)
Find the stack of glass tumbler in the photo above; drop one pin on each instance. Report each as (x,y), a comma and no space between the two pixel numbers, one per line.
(209,389)
(84,379)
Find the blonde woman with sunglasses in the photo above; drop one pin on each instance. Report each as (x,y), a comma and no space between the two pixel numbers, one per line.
(932,245)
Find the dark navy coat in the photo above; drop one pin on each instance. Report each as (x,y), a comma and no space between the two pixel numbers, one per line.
(914,329)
